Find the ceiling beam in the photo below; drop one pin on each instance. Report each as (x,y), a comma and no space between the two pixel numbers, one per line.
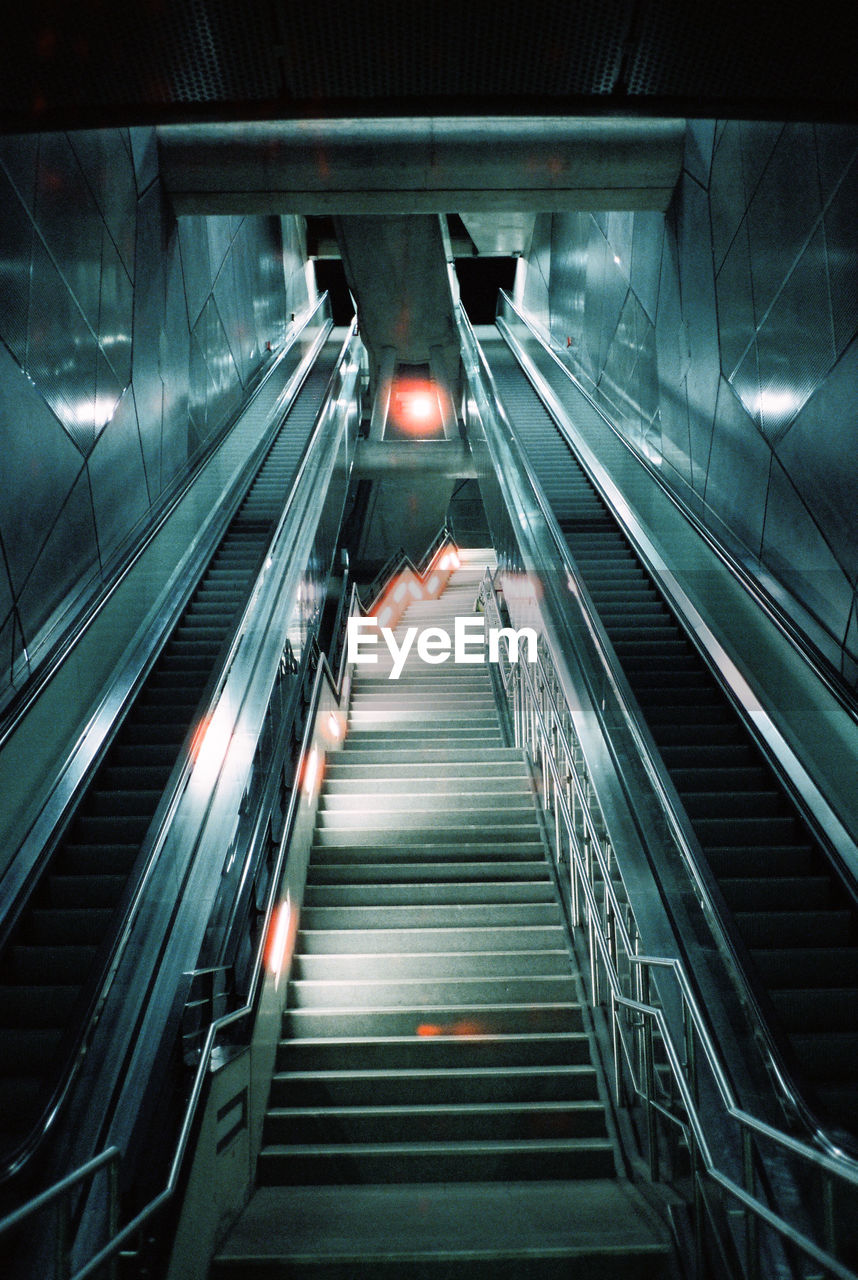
(433,165)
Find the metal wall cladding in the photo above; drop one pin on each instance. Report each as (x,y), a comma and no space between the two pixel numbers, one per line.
(737,470)
(818,454)
(116,363)
(796,551)
(745,318)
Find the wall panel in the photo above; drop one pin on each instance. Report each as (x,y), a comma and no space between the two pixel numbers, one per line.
(744,380)
(126,340)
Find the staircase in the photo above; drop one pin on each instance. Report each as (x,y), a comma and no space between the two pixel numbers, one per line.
(435,1109)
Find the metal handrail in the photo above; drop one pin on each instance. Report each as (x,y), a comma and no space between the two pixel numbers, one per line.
(803,644)
(678,825)
(551,742)
(119,1237)
(153,844)
(16,707)
(838,849)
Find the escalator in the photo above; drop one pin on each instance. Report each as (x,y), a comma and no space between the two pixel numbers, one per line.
(56,951)
(796,919)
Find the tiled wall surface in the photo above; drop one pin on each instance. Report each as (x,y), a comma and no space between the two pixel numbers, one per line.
(126,338)
(722,339)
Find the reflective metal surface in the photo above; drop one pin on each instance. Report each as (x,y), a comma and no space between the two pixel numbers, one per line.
(751,276)
(100,291)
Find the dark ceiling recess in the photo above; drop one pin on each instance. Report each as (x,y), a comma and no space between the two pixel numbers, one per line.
(76,62)
(479,282)
(331,276)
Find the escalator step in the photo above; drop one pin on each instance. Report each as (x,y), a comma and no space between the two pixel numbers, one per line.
(744,831)
(123,803)
(50,926)
(36,1006)
(763,860)
(85,890)
(772,929)
(733,803)
(777,893)
(97,859)
(808,966)
(808,1009)
(51,963)
(27,1049)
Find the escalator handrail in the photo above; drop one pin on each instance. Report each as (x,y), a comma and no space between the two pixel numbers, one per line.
(336,681)
(820,665)
(74,774)
(663,789)
(226,670)
(553,736)
(816,808)
(20,704)
(829,831)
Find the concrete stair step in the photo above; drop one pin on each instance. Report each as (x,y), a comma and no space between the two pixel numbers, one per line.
(444,1046)
(457,787)
(410,871)
(481,915)
(425,1021)
(415,893)
(528,847)
(463,1122)
(490,1084)
(488,939)
(383,993)
(436,1162)
(589,1228)
(430,964)
(438,833)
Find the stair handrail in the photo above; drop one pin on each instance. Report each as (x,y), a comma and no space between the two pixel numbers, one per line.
(397,562)
(841,847)
(111,1157)
(544,732)
(755,998)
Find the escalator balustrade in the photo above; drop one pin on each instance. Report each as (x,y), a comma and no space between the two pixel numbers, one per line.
(57,949)
(796,918)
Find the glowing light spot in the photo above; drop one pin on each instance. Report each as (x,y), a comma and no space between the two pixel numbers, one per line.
(385,616)
(279,935)
(334,727)
(419,406)
(416,590)
(617,260)
(429,1029)
(432,584)
(312,772)
(400,591)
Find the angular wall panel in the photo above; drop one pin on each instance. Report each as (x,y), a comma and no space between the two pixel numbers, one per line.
(67,560)
(818,455)
(737,473)
(93,368)
(16,258)
(117,479)
(794,547)
(756,277)
(40,466)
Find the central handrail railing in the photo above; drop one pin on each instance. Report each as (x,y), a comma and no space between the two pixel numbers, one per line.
(544,728)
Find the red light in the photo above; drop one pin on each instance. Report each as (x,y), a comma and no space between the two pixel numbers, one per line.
(414,408)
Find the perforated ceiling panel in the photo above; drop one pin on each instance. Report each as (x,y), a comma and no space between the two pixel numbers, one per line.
(69,61)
